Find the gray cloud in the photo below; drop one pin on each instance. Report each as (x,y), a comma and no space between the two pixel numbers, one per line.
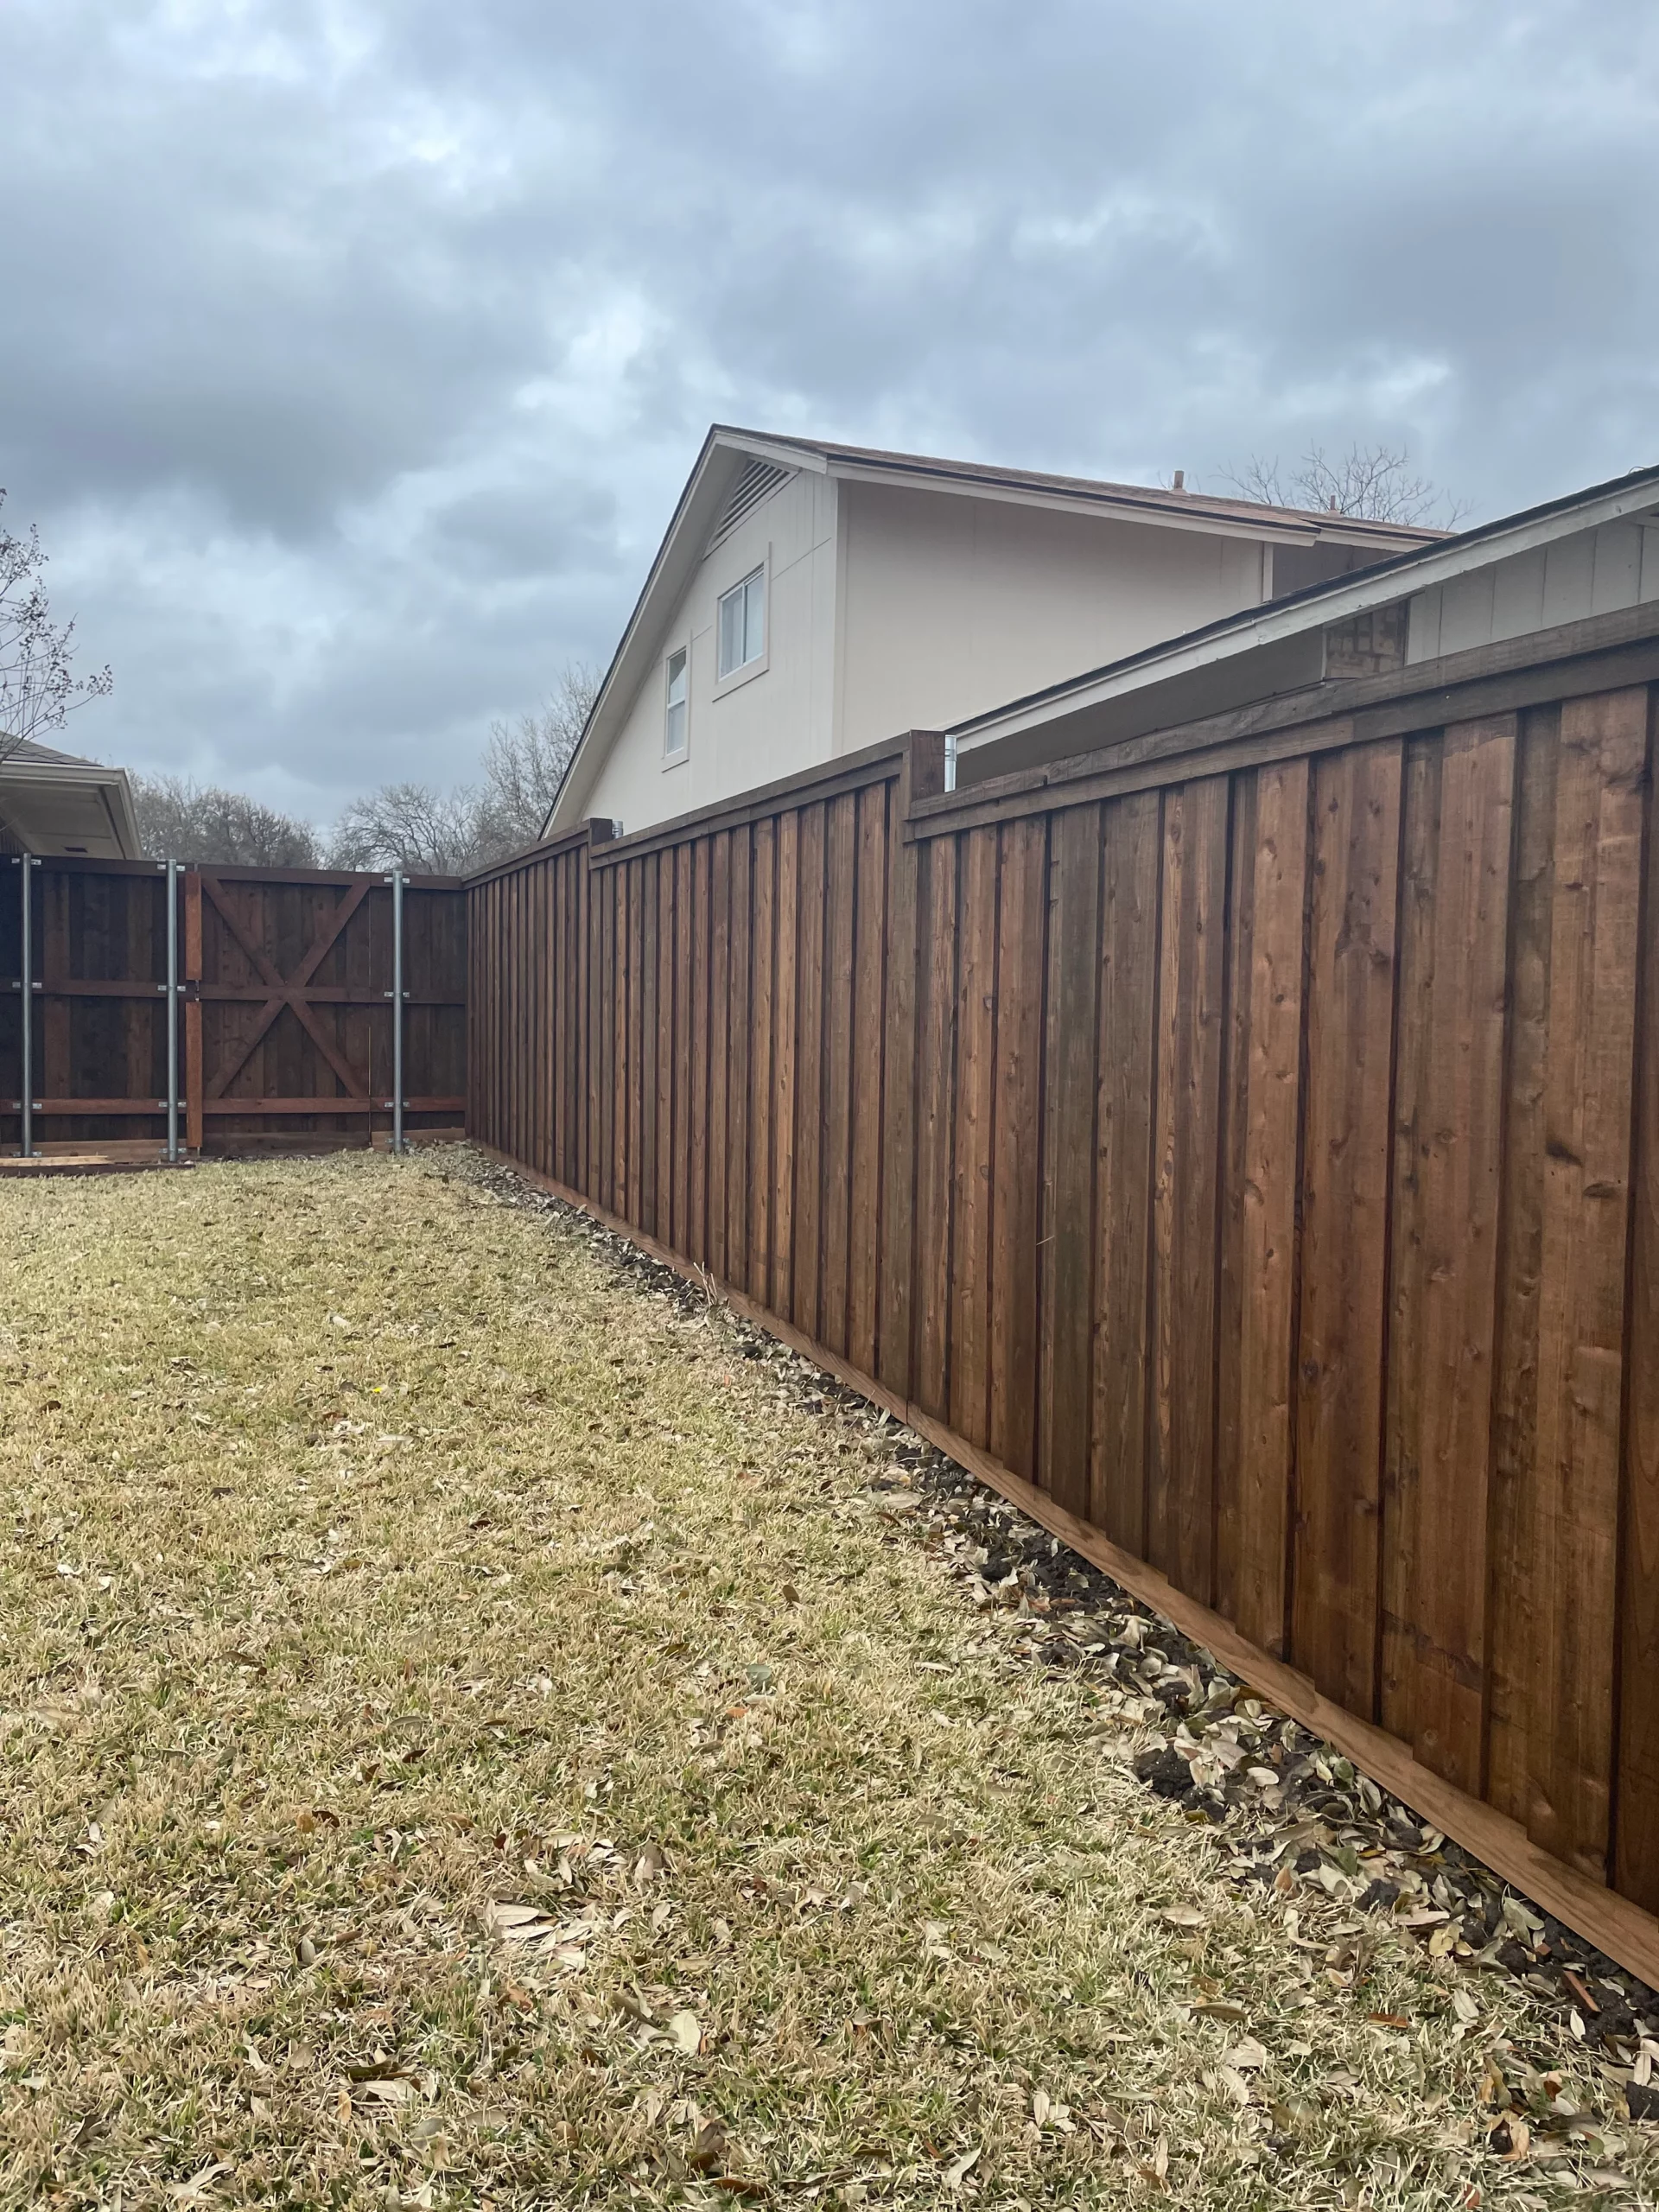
(355,353)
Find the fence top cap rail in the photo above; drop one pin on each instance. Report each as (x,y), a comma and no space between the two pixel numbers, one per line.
(93,864)
(375,876)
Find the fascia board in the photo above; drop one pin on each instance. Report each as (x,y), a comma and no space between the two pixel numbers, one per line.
(809,458)
(1434,565)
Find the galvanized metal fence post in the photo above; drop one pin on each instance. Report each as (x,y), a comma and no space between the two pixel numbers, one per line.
(26,991)
(173,1010)
(397,995)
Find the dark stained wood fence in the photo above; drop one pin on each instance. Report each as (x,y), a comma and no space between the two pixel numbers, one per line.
(285,1023)
(1243,1146)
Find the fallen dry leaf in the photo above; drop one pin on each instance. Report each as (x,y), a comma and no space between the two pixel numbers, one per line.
(960,2168)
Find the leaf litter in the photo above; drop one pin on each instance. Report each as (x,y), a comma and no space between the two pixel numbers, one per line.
(683,1786)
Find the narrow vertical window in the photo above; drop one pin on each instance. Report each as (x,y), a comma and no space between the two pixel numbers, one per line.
(743,623)
(674,716)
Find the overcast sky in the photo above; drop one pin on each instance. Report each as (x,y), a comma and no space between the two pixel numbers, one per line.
(353,355)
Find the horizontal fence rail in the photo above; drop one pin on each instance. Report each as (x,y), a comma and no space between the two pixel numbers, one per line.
(285,1015)
(1253,1167)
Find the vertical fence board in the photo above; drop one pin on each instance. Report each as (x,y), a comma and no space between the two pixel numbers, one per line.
(1016,1168)
(1588,1101)
(1511,1512)
(971,1195)
(1271,1170)
(614,954)
(1182,1503)
(720,1006)
(897,1200)
(785,986)
(841,887)
(696,1235)
(685,925)
(1355,813)
(649,1020)
(1636,1862)
(1133,868)
(1074,968)
(808,1072)
(935,1109)
(635,872)
(667,930)
(763,1071)
(1409,1262)
(741,1040)
(1446,1268)
(867,1075)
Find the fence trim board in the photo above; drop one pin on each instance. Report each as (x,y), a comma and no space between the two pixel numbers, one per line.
(1545,652)
(1604,652)
(1624,1930)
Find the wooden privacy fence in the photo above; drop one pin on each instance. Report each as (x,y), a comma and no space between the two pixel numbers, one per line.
(1242,1147)
(285,1013)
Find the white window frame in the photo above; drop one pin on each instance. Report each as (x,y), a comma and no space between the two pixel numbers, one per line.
(745,670)
(681,753)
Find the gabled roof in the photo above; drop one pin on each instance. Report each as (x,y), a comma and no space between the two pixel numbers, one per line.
(726,450)
(1279,623)
(1175,510)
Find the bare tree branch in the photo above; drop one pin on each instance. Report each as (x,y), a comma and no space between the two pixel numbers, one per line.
(411,826)
(1370,483)
(38,684)
(525,761)
(179,820)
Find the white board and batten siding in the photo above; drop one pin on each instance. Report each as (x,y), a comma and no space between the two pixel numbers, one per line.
(1593,572)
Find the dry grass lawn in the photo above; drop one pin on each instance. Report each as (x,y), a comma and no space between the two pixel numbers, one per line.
(467,1736)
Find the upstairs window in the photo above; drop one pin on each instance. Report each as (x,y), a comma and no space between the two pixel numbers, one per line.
(743,623)
(674,732)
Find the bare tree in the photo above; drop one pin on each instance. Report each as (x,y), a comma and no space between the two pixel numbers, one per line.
(413,826)
(1370,483)
(38,684)
(179,820)
(524,761)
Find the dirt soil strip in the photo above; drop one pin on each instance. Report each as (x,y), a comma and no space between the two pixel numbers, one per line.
(480,1724)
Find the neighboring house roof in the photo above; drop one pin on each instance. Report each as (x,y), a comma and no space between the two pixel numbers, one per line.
(728,451)
(1160,684)
(59,806)
(1242,518)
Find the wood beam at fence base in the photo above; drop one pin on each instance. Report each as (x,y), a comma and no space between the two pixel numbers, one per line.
(1616,1926)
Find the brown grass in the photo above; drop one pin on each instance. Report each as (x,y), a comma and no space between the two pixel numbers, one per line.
(382,1556)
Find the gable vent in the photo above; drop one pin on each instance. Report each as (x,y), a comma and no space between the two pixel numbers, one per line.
(756,480)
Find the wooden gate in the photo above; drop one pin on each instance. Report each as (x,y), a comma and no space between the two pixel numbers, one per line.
(285,1010)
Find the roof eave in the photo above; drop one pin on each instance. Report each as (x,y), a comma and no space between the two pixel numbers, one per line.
(1270,527)
(112,785)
